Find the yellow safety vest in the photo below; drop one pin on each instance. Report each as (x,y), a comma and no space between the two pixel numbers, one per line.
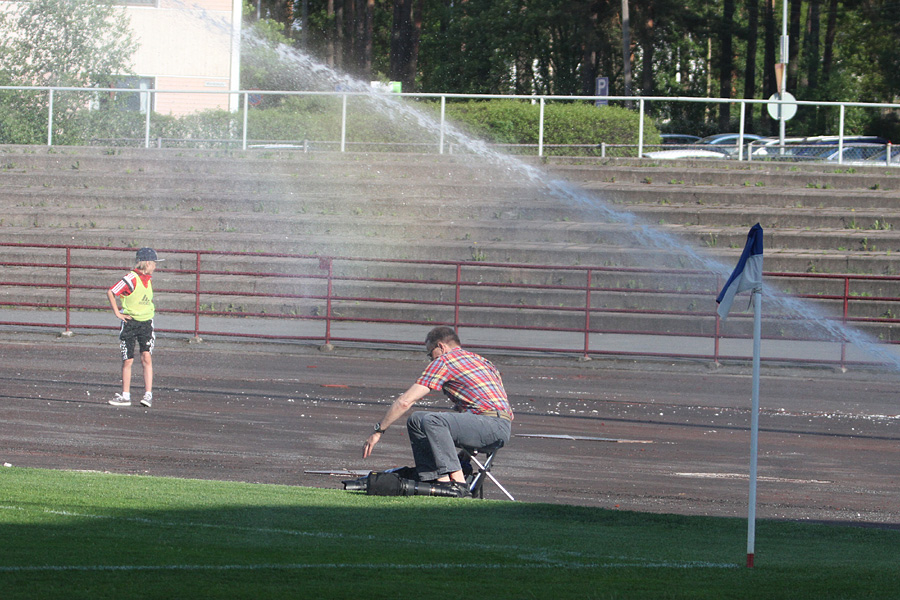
(139,303)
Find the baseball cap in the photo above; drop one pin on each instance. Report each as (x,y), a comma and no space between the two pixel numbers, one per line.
(148,254)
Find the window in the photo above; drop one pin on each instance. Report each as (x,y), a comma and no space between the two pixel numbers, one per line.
(138,102)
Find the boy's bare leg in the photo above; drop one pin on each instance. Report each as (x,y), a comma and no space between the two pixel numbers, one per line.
(147,363)
(126,375)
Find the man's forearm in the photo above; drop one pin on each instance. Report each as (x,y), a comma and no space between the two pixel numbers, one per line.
(394,413)
(403,403)
(398,408)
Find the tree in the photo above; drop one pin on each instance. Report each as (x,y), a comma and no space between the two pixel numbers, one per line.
(750,58)
(59,43)
(405,34)
(726,61)
(73,43)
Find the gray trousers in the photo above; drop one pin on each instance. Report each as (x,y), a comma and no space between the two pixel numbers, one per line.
(434,437)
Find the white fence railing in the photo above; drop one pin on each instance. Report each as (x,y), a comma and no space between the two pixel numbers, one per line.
(443,145)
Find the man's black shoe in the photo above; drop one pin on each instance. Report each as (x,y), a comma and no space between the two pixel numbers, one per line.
(462,490)
(450,489)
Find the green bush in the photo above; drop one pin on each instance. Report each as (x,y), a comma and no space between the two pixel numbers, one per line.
(569,123)
(19,125)
(318,118)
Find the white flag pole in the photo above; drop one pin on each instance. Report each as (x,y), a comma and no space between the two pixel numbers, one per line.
(754,427)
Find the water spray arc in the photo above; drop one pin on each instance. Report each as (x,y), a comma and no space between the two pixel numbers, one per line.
(644,244)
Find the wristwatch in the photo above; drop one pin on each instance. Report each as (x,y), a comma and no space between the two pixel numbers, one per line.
(378,428)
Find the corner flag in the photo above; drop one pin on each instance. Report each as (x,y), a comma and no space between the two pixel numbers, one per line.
(747,274)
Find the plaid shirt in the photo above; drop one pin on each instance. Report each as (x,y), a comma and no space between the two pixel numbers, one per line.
(469,380)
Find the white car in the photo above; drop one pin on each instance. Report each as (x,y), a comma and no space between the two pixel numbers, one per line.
(686,153)
(819,148)
(718,146)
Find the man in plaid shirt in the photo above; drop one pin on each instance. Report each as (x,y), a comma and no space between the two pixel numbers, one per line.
(482,415)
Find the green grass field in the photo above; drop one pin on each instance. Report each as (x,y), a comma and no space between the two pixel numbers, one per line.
(91,535)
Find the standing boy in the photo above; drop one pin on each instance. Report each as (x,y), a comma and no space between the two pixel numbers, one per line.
(136,315)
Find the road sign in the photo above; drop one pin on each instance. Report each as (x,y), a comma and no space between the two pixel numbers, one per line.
(787,110)
(602,89)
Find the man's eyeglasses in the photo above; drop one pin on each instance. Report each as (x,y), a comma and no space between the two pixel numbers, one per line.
(429,351)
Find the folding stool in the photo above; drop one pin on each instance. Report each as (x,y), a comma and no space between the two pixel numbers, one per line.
(476,479)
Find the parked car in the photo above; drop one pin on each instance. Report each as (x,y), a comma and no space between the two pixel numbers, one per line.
(719,146)
(680,139)
(882,158)
(687,152)
(816,148)
(726,139)
(865,155)
(855,147)
(772,148)
(728,142)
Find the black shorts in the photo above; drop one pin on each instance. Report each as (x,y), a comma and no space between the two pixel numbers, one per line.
(136,331)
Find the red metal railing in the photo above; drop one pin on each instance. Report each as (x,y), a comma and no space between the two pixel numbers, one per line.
(584,311)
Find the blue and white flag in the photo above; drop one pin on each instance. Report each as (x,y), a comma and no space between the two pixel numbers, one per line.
(747,274)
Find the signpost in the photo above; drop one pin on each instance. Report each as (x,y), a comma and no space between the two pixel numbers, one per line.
(602,89)
(781,73)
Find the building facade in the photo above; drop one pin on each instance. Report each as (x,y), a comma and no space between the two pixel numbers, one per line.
(188,47)
(191,47)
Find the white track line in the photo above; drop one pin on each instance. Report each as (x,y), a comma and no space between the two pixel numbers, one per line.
(744,476)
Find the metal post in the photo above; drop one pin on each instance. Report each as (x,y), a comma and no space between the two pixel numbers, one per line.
(587,314)
(344,122)
(67,332)
(244,133)
(328,263)
(785,45)
(197,300)
(50,120)
(457,298)
(541,130)
(626,51)
(443,114)
(718,331)
(754,428)
(841,136)
(147,122)
(641,128)
(741,133)
(844,321)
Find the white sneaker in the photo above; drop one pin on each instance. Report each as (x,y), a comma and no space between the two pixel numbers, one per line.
(121,400)
(147,400)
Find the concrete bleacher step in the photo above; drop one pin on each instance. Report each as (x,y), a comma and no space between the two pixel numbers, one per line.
(205,185)
(771,218)
(826,232)
(516,207)
(437,208)
(746,175)
(780,197)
